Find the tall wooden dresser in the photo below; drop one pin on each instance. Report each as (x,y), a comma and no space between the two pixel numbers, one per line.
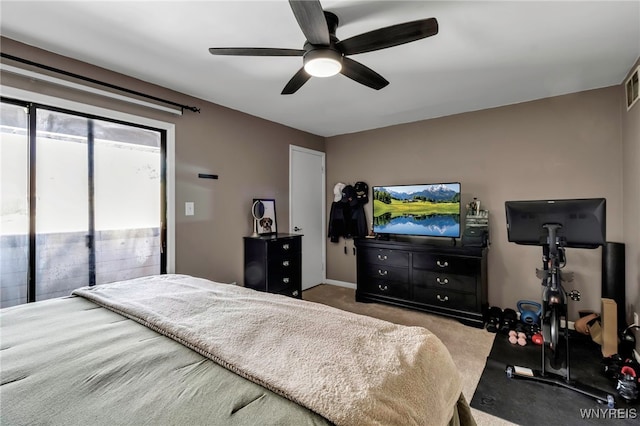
(273,263)
(449,281)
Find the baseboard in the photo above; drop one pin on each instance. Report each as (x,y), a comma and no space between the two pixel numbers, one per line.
(341,284)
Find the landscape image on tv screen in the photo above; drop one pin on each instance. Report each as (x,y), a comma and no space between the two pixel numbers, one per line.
(428,210)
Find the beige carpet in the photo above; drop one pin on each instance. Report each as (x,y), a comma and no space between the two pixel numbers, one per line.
(469,346)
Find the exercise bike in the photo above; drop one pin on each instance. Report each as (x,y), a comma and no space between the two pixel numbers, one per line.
(554,300)
(555,362)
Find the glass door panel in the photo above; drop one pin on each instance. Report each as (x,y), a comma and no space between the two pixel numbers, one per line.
(128,198)
(14,204)
(62,199)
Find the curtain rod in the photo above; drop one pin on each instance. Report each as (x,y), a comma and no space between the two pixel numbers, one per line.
(94,81)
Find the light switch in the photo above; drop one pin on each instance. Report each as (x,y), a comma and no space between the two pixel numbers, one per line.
(189,208)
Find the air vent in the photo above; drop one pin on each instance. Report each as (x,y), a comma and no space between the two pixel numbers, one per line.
(633,88)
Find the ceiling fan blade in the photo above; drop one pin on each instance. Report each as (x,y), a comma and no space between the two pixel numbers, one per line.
(389,36)
(311,20)
(296,82)
(255,51)
(362,74)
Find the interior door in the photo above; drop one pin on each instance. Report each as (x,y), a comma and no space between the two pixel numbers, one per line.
(307,210)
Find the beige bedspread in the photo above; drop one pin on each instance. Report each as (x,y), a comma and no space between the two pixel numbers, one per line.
(349,368)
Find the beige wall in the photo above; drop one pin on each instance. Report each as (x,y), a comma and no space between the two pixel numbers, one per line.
(631,194)
(562,147)
(250,155)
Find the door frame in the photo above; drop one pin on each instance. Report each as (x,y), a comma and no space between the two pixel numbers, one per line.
(52,101)
(323,196)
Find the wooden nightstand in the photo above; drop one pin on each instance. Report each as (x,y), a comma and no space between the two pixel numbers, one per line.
(273,263)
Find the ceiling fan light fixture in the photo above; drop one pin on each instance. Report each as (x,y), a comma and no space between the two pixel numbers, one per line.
(323,62)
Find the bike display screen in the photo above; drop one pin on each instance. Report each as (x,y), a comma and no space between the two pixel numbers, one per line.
(582,221)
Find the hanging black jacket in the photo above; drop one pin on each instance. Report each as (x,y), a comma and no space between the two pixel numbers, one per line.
(337,221)
(347,218)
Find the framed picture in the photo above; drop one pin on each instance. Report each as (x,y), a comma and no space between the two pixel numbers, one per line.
(632,89)
(266,224)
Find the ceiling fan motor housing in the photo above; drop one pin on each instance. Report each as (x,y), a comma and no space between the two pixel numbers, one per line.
(322,61)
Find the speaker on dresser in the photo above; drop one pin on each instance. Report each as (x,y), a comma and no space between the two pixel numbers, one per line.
(613,278)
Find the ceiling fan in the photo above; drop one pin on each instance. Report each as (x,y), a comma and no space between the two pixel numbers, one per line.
(324,55)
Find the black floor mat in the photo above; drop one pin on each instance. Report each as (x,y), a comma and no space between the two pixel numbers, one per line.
(527,402)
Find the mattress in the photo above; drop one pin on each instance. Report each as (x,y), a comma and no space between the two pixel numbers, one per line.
(72,361)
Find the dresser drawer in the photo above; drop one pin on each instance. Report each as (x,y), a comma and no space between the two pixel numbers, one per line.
(279,283)
(283,247)
(373,271)
(385,288)
(386,257)
(445,298)
(446,263)
(290,262)
(288,291)
(283,276)
(444,281)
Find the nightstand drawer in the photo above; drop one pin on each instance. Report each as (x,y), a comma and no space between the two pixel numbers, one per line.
(283,246)
(444,281)
(289,291)
(386,257)
(445,298)
(446,263)
(280,278)
(284,263)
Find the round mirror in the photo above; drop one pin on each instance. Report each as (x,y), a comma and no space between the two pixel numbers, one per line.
(257,211)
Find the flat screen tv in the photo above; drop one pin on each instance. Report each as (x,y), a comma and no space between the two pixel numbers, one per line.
(428,210)
(583,221)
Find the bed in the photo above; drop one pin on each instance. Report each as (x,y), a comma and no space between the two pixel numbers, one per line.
(175,349)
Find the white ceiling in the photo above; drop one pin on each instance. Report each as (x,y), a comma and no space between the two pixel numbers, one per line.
(486,54)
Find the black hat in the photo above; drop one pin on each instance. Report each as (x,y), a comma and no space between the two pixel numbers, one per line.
(362,192)
(349,195)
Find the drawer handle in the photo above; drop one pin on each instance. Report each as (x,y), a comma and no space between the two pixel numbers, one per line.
(285,263)
(285,246)
(285,280)
(442,299)
(382,257)
(385,288)
(442,264)
(295,293)
(383,273)
(443,281)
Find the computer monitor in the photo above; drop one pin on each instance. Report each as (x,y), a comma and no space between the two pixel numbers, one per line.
(583,221)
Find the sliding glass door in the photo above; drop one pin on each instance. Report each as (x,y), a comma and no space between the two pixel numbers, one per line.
(61,203)
(128,176)
(83,202)
(14,204)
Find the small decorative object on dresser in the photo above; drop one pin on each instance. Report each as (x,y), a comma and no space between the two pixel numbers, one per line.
(476,229)
(272,263)
(264,215)
(445,280)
